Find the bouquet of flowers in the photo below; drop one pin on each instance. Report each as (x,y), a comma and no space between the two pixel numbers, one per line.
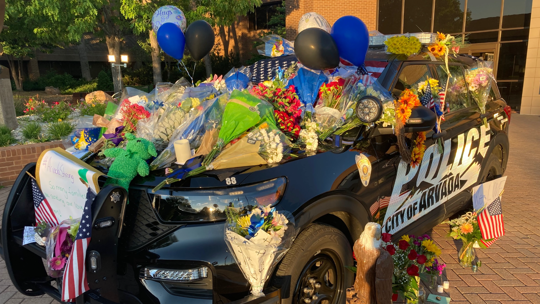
(131,114)
(258,239)
(401,45)
(444,45)
(58,246)
(479,81)
(466,228)
(287,106)
(413,255)
(217,82)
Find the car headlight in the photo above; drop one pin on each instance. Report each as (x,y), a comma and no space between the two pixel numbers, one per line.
(209,205)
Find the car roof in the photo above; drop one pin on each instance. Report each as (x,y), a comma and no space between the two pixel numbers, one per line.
(380,54)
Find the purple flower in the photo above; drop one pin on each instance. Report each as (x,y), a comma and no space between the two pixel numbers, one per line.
(416,243)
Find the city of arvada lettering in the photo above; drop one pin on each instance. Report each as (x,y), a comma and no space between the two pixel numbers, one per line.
(419,190)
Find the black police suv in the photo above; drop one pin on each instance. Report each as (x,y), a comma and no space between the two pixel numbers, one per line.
(168,247)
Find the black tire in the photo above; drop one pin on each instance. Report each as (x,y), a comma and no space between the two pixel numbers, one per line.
(317,247)
(492,169)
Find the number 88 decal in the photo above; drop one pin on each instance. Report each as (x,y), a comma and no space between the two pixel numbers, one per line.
(230,181)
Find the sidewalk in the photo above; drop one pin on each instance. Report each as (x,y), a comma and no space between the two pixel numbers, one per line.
(510,271)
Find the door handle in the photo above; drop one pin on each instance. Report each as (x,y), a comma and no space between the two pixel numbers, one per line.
(439,135)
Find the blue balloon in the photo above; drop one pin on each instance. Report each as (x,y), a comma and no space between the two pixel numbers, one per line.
(171,40)
(352,39)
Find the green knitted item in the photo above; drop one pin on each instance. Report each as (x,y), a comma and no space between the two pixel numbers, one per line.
(129,162)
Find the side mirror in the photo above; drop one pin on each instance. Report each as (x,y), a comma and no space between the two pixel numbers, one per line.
(369,109)
(421,119)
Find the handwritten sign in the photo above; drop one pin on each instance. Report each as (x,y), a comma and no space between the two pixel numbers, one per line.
(64,180)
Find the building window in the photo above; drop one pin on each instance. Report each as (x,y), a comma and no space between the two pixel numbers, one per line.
(512,61)
(449,16)
(260,18)
(517,13)
(390,16)
(485,15)
(482,37)
(417,16)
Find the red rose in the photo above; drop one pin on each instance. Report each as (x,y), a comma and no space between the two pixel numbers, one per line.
(391,249)
(421,259)
(386,237)
(394,297)
(403,245)
(412,255)
(413,270)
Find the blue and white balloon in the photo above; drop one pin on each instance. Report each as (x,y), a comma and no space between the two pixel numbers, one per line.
(168,14)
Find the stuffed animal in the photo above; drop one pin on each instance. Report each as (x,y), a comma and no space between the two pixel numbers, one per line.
(129,162)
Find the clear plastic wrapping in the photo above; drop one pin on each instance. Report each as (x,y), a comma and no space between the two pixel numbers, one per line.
(479,81)
(258,240)
(275,46)
(58,246)
(192,128)
(238,79)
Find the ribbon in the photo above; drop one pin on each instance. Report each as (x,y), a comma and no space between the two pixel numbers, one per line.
(256,224)
(115,138)
(190,165)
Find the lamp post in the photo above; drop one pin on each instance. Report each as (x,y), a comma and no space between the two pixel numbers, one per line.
(117,72)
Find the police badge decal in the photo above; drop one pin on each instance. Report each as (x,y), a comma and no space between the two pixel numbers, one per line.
(364,168)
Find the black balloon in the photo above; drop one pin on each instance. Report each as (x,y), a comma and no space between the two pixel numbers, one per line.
(316,49)
(199,39)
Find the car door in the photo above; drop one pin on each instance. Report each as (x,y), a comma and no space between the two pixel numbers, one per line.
(396,210)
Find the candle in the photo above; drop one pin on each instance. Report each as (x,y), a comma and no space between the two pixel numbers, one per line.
(182,150)
(440,289)
(446,284)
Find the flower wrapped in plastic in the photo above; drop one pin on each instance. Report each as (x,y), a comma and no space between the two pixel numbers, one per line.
(131,96)
(238,79)
(58,246)
(265,144)
(479,80)
(275,46)
(217,82)
(176,92)
(258,239)
(307,83)
(192,128)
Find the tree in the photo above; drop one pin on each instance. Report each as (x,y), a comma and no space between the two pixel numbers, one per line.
(20,40)
(139,13)
(224,13)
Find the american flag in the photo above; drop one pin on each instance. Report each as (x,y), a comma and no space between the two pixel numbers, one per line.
(490,220)
(488,243)
(74,281)
(427,99)
(42,209)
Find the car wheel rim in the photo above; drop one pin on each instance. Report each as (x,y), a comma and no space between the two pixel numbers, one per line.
(320,281)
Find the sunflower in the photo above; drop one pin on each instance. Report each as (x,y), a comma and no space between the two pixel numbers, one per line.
(440,36)
(431,247)
(403,113)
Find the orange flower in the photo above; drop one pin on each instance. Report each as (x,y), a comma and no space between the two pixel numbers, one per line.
(421,136)
(440,36)
(419,149)
(466,228)
(403,113)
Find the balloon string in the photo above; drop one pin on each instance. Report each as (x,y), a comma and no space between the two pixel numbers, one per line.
(185,68)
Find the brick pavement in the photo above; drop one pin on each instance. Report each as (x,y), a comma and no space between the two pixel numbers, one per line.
(510,272)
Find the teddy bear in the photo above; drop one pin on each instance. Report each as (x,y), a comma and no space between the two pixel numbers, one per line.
(129,162)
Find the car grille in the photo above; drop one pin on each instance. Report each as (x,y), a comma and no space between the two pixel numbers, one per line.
(141,226)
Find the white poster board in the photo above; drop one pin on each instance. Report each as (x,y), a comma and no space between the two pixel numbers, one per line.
(64,181)
(484,194)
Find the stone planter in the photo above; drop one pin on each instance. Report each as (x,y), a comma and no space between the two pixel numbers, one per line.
(14,158)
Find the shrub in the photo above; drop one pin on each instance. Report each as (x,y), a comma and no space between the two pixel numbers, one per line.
(57,130)
(139,77)
(34,106)
(84,88)
(32,131)
(6,138)
(57,112)
(92,108)
(104,81)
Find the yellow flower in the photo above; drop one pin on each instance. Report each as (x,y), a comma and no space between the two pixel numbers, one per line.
(244,221)
(406,238)
(59,119)
(440,36)
(431,247)
(429,263)
(466,228)
(93,105)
